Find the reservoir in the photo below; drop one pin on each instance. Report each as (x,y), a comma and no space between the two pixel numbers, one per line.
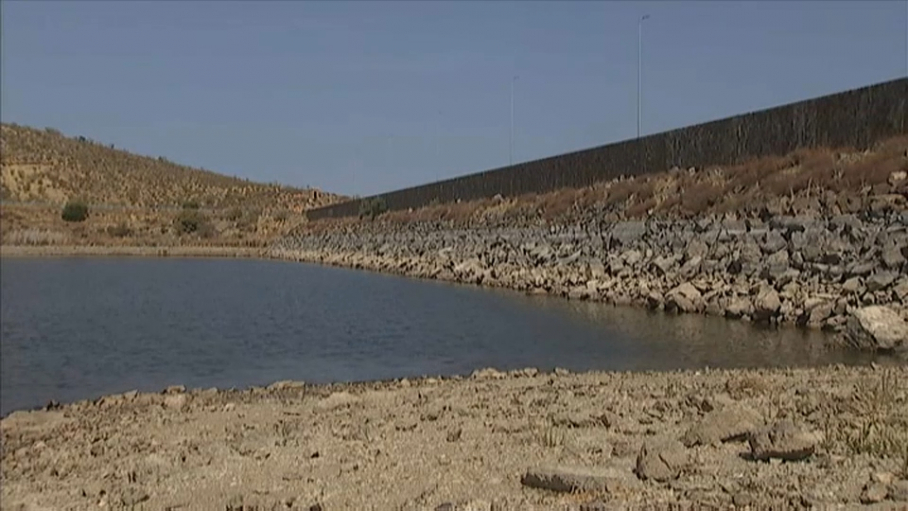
(77,328)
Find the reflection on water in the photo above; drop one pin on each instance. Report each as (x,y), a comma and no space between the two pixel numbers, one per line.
(75,328)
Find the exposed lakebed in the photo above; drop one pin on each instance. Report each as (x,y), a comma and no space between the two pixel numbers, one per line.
(76,328)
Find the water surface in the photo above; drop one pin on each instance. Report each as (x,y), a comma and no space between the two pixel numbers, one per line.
(75,328)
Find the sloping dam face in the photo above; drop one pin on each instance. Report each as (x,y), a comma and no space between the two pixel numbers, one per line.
(856,118)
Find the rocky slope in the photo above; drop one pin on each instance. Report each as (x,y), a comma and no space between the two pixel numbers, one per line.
(827,438)
(813,257)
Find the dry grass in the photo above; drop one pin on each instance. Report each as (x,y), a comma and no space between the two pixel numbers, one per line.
(872,420)
(132,199)
(839,180)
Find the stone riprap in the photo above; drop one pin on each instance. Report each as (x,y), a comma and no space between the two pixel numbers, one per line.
(813,271)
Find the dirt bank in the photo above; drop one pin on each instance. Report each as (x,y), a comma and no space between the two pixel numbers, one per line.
(622,440)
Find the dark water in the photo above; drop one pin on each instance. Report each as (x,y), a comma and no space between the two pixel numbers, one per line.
(76,328)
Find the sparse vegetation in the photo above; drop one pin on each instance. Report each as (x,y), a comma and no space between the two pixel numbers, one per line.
(75,211)
(835,181)
(121,230)
(40,169)
(192,221)
(873,420)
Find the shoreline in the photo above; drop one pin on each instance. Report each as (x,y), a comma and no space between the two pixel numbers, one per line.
(21,251)
(486,441)
(820,272)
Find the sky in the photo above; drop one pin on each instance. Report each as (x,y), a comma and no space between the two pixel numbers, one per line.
(361,98)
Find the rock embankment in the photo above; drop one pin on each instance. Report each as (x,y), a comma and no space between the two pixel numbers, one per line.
(813,271)
(825,438)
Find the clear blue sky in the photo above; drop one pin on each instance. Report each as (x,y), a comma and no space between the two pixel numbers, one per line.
(346,95)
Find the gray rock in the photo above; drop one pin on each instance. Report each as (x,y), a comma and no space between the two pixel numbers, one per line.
(627,232)
(571,479)
(776,265)
(632,257)
(739,306)
(684,298)
(892,256)
(696,248)
(783,440)
(664,264)
(859,269)
(723,425)
(877,327)
(819,312)
(766,304)
(853,285)
(880,280)
(691,267)
(774,242)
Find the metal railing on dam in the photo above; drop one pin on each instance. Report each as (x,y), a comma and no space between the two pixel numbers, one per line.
(855,118)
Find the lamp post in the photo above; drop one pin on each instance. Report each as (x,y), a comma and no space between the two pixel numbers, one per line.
(437,145)
(511,140)
(639,65)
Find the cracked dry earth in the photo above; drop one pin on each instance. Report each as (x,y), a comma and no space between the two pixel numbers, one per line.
(492,441)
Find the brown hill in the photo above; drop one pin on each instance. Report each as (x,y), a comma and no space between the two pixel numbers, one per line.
(133,199)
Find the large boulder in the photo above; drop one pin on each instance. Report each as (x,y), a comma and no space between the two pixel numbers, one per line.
(723,425)
(661,460)
(684,298)
(877,327)
(766,304)
(783,440)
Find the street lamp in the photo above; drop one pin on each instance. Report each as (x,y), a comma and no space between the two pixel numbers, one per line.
(639,65)
(437,145)
(511,141)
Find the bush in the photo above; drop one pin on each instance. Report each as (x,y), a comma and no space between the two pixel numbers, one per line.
(191,205)
(75,211)
(121,230)
(372,208)
(192,221)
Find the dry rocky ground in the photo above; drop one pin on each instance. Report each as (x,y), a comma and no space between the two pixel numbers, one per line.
(826,438)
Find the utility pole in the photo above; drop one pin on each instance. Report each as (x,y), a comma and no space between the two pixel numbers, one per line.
(437,146)
(511,140)
(639,66)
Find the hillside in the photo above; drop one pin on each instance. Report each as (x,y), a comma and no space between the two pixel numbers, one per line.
(132,198)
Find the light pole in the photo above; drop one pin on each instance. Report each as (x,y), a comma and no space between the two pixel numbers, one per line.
(511,140)
(437,145)
(639,65)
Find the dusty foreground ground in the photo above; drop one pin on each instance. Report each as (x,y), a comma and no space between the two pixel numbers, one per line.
(620,441)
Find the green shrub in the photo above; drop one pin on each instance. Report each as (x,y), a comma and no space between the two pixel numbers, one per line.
(191,204)
(121,230)
(75,211)
(193,221)
(372,207)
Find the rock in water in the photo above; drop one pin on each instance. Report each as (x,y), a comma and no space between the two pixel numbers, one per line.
(877,327)
(783,440)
